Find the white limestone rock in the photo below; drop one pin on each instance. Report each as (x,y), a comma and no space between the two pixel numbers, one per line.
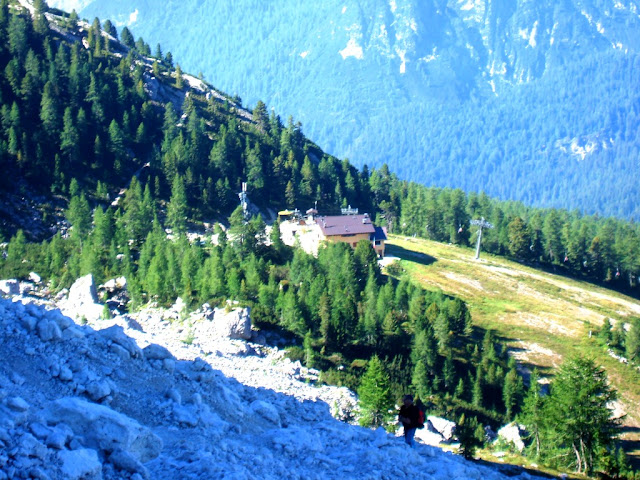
(444,427)
(29,446)
(114,284)
(59,437)
(83,300)
(10,287)
(48,330)
(82,464)
(39,431)
(267,412)
(97,391)
(35,278)
(156,352)
(28,322)
(429,437)
(116,335)
(72,333)
(66,375)
(63,321)
(512,434)
(235,324)
(17,404)
(186,414)
(26,288)
(104,428)
(123,460)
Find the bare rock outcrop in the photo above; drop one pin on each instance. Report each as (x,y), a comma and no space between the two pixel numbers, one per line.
(103,428)
(83,300)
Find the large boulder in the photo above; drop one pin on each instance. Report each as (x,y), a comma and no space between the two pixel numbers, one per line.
(154,351)
(266,412)
(82,464)
(116,335)
(10,287)
(103,428)
(83,300)
(233,324)
(115,284)
(428,436)
(512,434)
(446,428)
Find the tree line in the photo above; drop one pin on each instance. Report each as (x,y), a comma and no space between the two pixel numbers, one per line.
(205,151)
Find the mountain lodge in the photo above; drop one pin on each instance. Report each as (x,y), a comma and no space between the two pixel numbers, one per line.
(310,231)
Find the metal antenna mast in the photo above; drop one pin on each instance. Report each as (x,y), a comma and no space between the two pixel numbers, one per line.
(482,223)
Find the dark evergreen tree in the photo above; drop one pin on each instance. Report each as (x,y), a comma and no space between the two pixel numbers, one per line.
(375,397)
(177,208)
(579,412)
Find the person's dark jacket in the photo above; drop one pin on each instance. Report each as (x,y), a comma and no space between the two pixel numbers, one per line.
(412,413)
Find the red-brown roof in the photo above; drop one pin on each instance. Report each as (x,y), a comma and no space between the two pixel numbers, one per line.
(345,225)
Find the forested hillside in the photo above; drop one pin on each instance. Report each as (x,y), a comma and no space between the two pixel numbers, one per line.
(139,155)
(536,103)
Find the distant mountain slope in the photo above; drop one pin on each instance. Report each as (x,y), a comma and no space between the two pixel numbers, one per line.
(529,101)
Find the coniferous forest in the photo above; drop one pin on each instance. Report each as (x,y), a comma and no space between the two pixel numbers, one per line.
(124,157)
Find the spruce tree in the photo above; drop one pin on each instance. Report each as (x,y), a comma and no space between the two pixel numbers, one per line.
(309,354)
(375,395)
(579,412)
(79,216)
(512,392)
(533,414)
(632,341)
(179,80)
(177,209)
(127,37)
(470,434)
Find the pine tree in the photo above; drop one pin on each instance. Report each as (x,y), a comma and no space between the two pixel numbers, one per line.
(512,392)
(449,373)
(470,434)
(15,263)
(326,328)
(371,324)
(579,412)
(533,415)
(424,356)
(40,23)
(275,239)
(168,59)
(478,387)
(127,37)
(179,80)
(604,333)
(177,209)
(110,29)
(309,354)
(79,215)
(632,341)
(460,391)
(375,395)
(290,195)
(116,146)
(49,112)
(70,138)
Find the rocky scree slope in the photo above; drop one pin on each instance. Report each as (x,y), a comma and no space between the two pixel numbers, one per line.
(126,398)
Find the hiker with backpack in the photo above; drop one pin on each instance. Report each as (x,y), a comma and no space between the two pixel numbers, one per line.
(411,418)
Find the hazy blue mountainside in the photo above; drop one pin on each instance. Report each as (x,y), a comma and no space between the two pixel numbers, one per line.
(534,101)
